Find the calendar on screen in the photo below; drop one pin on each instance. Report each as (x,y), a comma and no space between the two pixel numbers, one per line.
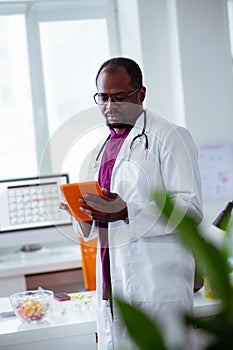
(33,202)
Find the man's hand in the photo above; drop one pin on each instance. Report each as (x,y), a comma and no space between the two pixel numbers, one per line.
(108,209)
(85,225)
(65,207)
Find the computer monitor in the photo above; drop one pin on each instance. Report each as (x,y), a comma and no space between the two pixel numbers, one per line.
(29,211)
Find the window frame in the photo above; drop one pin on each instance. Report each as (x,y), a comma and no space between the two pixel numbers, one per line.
(230,25)
(36,12)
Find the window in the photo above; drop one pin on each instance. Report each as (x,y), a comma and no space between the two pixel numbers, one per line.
(230,19)
(17,152)
(67,56)
(49,56)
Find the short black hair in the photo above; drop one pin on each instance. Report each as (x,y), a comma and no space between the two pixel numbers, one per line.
(130,65)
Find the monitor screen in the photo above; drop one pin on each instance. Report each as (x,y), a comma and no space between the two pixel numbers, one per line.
(29,203)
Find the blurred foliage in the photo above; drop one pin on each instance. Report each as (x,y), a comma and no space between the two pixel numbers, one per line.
(142,329)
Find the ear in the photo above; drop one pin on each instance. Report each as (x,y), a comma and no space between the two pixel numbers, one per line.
(142,94)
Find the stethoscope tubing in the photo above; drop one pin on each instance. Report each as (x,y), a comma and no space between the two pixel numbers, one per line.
(143,133)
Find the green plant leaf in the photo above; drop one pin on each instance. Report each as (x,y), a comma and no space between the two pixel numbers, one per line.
(219,326)
(209,257)
(141,328)
(226,244)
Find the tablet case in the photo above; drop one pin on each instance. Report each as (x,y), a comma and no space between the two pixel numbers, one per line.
(73,191)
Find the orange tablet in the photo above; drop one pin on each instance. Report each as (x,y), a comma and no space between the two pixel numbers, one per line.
(72,192)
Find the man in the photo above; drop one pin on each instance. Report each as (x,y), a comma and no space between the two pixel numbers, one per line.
(140,258)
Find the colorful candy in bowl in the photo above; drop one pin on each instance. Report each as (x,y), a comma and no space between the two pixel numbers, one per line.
(32,306)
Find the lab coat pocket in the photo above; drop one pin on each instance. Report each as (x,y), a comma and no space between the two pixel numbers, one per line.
(157,272)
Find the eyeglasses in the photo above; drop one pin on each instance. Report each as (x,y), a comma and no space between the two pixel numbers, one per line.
(102,99)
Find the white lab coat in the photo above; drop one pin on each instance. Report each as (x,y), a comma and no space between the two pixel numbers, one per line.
(148,265)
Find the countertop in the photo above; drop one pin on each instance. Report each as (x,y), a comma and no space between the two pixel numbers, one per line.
(81,309)
(67,324)
(205,307)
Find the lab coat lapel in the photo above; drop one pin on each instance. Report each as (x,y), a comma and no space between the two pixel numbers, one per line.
(125,148)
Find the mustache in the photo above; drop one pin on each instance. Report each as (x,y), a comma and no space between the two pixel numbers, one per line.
(113,111)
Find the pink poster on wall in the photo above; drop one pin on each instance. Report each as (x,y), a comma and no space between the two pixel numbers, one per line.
(216,168)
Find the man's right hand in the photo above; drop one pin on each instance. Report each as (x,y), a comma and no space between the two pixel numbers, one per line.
(65,207)
(85,225)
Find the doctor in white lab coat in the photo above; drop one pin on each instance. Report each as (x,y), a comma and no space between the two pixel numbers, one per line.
(148,265)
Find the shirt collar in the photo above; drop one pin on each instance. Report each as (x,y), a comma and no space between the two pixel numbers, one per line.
(122,134)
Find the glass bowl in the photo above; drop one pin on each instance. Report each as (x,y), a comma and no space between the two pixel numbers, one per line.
(32,306)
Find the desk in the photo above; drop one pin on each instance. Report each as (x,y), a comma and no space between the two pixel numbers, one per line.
(51,258)
(70,326)
(205,307)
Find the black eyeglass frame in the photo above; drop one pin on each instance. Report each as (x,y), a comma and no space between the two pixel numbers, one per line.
(114,97)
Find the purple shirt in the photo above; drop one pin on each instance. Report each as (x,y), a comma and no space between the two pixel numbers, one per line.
(111,151)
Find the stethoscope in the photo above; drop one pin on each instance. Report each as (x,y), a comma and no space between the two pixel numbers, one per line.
(142,134)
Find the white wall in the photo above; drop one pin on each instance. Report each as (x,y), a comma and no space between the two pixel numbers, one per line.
(206,68)
(154,47)
(207,77)
(184,49)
